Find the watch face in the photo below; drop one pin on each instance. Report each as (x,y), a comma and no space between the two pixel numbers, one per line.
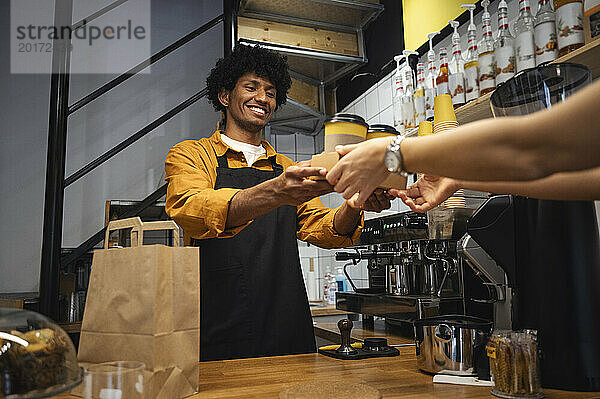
(392,163)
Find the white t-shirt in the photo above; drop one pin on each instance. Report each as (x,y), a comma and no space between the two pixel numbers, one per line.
(251,152)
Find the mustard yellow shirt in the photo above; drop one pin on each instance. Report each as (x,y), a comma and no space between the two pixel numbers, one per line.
(201,210)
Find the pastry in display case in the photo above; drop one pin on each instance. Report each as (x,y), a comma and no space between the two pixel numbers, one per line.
(37,357)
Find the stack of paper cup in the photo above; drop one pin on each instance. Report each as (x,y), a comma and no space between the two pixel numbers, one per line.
(444,120)
(444,117)
(425,128)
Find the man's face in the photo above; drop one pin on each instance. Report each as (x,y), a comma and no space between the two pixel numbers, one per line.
(251,103)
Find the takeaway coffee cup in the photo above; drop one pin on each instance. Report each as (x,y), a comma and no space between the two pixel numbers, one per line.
(377,131)
(343,129)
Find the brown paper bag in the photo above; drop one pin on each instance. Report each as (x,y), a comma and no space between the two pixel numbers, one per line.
(143,303)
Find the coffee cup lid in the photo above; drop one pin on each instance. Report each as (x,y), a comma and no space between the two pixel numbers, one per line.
(350,118)
(381,128)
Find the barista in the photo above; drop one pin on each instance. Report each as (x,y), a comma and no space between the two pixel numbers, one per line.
(560,145)
(245,206)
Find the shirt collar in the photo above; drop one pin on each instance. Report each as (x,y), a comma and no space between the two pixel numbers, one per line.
(221,148)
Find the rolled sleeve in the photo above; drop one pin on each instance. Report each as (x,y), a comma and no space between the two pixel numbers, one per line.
(315,225)
(191,199)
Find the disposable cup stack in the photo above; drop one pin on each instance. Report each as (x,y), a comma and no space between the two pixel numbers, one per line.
(444,120)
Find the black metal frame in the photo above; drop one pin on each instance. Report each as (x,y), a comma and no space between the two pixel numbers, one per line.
(57,139)
(55,164)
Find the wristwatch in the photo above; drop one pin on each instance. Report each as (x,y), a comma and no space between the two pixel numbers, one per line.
(393,157)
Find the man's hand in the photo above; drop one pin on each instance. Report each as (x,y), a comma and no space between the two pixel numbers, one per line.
(427,193)
(377,202)
(294,187)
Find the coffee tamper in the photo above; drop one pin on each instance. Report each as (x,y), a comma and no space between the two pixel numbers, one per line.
(345,326)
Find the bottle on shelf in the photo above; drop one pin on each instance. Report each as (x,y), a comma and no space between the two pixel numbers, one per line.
(340,279)
(398,93)
(420,94)
(326,282)
(504,50)
(456,69)
(544,32)
(525,45)
(486,59)
(569,25)
(430,76)
(441,81)
(408,99)
(332,290)
(471,60)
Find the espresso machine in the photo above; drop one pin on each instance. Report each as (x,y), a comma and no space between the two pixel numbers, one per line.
(424,265)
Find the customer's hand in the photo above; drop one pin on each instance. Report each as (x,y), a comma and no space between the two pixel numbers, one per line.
(360,170)
(294,187)
(427,193)
(378,201)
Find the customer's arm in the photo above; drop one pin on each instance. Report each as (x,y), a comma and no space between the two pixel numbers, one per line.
(429,191)
(563,138)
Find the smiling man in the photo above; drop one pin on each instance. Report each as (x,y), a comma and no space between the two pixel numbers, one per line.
(245,205)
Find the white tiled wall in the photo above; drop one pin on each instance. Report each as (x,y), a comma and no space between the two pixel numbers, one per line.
(297,147)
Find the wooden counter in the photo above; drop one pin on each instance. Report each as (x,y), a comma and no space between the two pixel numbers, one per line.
(395,377)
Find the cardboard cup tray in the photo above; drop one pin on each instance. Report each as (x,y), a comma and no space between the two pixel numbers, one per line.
(328,160)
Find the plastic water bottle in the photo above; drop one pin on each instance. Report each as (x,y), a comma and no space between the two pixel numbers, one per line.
(332,291)
(340,279)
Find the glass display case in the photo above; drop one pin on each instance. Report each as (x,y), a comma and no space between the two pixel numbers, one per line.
(37,358)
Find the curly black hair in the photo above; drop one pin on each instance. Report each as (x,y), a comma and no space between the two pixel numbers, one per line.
(244,59)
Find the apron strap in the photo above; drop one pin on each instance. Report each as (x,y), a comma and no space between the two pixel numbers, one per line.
(222,161)
(276,167)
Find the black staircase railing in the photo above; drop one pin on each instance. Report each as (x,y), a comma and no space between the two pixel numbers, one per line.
(144,64)
(57,138)
(133,138)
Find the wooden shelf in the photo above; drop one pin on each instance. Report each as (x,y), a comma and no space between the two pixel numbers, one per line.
(475,110)
(348,13)
(329,310)
(588,55)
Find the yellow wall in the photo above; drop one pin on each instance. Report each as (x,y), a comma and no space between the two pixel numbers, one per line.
(424,16)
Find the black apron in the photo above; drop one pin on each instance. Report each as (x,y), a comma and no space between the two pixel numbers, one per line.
(253,299)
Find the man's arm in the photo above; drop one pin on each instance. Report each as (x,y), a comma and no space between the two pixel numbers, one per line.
(348,215)
(339,227)
(290,188)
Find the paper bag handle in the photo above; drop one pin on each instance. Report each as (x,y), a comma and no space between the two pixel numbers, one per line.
(138,227)
(162,225)
(134,223)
